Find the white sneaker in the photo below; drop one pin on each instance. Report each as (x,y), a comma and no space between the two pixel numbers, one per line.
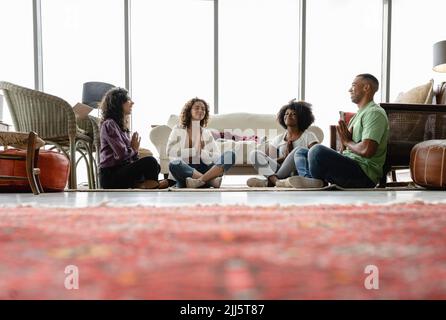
(194,183)
(257,183)
(283,183)
(215,183)
(304,182)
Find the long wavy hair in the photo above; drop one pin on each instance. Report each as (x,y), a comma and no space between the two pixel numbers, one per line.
(186,115)
(111,107)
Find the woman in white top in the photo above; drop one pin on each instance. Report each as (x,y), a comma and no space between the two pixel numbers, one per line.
(195,157)
(279,162)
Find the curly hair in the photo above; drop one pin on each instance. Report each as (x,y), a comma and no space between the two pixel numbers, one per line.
(303,111)
(111,107)
(186,115)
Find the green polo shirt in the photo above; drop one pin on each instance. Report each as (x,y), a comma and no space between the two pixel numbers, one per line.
(370,123)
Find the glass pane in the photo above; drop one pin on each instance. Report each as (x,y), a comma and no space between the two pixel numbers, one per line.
(343,40)
(83,41)
(17,50)
(258,54)
(415,29)
(172,58)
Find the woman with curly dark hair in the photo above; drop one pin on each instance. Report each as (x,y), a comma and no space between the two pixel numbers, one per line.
(119,165)
(279,162)
(195,157)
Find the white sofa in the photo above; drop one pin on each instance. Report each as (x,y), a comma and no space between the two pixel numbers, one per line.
(240,124)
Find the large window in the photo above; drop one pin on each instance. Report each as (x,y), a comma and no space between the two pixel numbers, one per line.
(173,51)
(258,54)
(83,41)
(16,51)
(343,40)
(416,26)
(172,58)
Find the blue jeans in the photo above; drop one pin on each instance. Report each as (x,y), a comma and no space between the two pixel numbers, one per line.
(268,166)
(181,170)
(321,162)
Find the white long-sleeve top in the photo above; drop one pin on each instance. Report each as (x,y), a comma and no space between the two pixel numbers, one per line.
(178,146)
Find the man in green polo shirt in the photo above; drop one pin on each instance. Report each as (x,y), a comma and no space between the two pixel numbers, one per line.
(364,141)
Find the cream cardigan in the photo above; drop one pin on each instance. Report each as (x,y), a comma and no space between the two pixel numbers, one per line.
(178,146)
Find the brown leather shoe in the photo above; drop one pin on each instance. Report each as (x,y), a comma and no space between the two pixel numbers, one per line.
(148,184)
(163,184)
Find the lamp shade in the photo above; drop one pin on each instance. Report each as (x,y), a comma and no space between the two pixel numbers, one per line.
(440,56)
(92,92)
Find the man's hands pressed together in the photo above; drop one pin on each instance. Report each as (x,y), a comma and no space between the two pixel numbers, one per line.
(344,134)
(365,148)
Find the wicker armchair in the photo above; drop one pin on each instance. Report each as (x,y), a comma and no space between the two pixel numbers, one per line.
(54,120)
(91,127)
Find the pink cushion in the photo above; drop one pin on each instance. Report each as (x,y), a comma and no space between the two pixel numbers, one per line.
(348,116)
(230,136)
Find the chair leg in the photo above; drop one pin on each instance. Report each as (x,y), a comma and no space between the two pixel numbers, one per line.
(96,164)
(37,176)
(382,181)
(96,175)
(73,183)
(393,175)
(30,153)
(86,154)
(39,185)
(90,165)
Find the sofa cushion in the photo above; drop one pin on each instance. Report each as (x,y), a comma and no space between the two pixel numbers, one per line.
(241,124)
(420,95)
(228,135)
(441,94)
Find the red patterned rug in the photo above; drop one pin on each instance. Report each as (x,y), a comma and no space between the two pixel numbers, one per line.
(229,252)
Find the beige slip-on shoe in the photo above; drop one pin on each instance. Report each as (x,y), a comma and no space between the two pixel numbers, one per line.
(305,183)
(257,183)
(194,183)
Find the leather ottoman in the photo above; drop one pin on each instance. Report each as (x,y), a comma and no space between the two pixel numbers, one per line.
(54,171)
(428,164)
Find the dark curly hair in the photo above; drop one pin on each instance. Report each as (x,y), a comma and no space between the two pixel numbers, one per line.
(186,116)
(303,111)
(111,107)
